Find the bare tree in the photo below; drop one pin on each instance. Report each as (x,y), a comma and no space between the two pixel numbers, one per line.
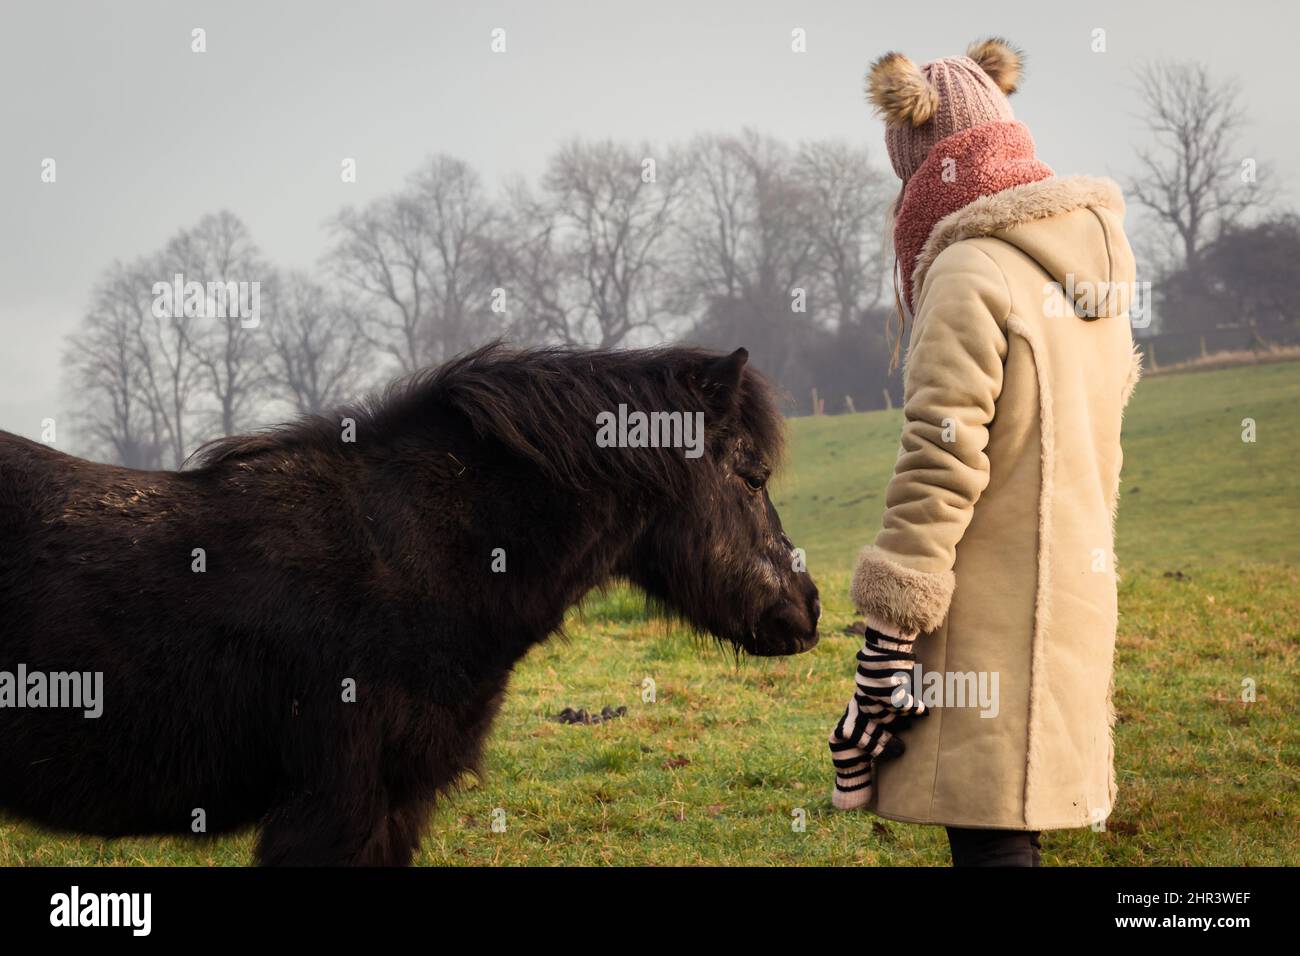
(106,365)
(848,198)
(318,355)
(169,376)
(423,262)
(150,373)
(380,253)
(547,301)
(229,352)
(751,247)
(607,224)
(751,236)
(722,200)
(461,223)
(1191,178)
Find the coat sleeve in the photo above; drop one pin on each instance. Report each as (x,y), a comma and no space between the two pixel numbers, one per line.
(952,381)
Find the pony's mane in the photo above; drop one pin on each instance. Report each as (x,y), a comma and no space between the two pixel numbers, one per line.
(541,405)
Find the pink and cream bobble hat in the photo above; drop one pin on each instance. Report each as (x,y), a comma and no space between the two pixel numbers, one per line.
(922,105)
(951,136)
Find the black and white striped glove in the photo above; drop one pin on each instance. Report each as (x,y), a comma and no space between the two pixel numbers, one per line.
(883,705)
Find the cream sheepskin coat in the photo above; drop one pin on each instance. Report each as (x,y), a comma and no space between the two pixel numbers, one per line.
(998,534)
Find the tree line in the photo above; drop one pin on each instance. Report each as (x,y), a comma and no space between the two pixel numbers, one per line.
(723,240)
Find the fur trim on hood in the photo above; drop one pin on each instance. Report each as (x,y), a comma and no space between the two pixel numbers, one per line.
(1014,207)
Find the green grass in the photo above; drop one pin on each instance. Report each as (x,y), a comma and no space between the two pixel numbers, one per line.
(713,770)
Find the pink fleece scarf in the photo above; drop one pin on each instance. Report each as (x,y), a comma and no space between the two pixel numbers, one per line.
(960,168)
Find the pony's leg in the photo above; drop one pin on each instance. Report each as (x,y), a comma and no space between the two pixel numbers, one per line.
(406,824)
(324,828)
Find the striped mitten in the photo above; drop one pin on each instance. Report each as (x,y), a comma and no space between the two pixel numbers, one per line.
(883,705)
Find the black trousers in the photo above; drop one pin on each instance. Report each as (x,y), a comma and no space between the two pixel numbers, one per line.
(994,847)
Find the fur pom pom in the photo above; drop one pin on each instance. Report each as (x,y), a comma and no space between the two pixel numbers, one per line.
(900,92)
(1001,60)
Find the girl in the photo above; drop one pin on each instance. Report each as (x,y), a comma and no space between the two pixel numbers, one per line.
(994,567)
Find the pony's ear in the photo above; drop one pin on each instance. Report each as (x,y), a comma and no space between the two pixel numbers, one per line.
(719,380)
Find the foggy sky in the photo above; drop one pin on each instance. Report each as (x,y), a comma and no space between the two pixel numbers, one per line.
(149,136)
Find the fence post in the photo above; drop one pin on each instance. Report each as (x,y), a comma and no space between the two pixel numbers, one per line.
(815,408)
(889,402)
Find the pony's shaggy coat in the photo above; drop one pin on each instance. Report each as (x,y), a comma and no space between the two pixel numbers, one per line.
(308,633)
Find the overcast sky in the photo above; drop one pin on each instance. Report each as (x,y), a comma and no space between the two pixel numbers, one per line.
(149,136)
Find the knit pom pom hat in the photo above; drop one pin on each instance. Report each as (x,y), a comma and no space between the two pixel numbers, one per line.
(922,105)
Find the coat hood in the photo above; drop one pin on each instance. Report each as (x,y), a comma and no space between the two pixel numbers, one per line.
(1072,226)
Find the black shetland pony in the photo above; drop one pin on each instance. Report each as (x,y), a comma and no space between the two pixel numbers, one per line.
(333,656)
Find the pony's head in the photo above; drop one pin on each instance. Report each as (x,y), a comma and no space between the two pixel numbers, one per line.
(663,457)
(715,551)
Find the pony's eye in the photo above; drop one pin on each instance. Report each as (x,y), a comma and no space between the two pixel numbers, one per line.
(755,482)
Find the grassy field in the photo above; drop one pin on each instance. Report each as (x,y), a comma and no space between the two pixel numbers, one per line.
(714,770)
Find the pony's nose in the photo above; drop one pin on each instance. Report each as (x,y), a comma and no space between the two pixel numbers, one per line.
(816,610)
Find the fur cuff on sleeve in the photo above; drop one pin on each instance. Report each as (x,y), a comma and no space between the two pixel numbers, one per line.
(909,600)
